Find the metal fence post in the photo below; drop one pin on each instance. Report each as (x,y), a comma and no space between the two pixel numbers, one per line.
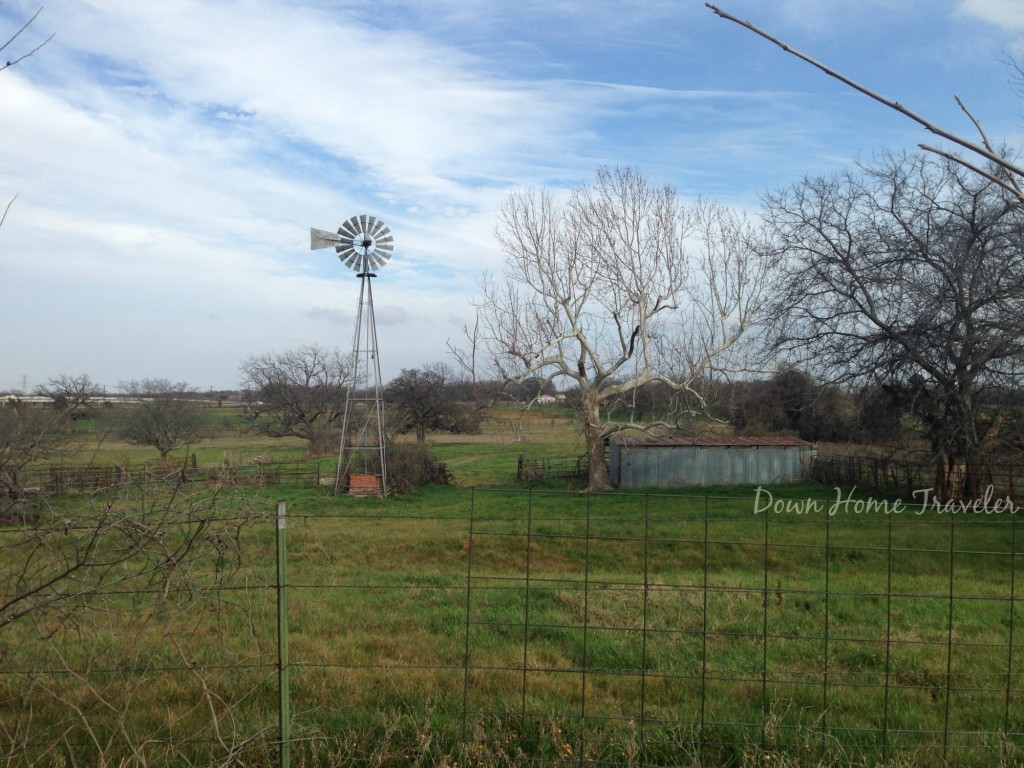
(284,716)
(469,599)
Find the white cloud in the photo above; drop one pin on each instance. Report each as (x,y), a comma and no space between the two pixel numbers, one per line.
(1008,14)
(170,157)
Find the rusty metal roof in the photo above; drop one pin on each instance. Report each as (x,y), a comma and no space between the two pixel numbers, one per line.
(713,441)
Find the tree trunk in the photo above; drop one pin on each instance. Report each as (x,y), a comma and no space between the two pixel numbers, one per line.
(957,474)
(599,480)
(321,441)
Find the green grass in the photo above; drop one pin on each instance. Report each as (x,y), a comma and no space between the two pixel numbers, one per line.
(402,611)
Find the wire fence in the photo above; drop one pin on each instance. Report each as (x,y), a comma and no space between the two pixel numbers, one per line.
(516,628)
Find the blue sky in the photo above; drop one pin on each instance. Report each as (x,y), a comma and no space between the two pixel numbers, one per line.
(170,157)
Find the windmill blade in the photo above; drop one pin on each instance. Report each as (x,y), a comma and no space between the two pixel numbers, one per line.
(318,238)
(378,229)
(363,243)
(349,229)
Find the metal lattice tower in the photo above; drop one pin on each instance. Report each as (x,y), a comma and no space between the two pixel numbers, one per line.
(363,244)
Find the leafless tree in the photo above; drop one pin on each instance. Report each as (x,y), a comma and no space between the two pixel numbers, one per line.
(71,394)
(604,293)
(990,163)
(908,275)
(297,393)
(425,400)
(29,432)
(163,414)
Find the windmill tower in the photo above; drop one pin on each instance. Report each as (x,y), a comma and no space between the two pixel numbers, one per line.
(363,244)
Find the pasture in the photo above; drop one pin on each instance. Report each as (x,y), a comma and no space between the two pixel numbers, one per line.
(489,624)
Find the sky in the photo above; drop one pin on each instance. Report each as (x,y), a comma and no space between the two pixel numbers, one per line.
(166,160)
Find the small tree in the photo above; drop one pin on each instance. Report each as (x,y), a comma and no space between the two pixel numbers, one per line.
(72,395)
(28,432)
(163,415)
(31,432)
(425,400)
(297,393)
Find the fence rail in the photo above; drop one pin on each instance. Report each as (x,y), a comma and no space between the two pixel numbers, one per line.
(58,478)
(529,469)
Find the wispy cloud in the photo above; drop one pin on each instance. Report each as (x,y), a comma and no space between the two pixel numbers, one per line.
(169,157)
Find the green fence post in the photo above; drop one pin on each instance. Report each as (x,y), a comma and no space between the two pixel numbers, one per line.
(284,717)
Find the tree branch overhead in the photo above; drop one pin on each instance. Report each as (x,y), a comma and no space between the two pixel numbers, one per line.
(983,150)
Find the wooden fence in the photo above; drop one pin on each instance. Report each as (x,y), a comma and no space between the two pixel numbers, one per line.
(528,469)
(907,475)
(63,477)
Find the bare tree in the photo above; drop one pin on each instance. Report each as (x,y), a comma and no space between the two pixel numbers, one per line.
(71,394)
(596,290)
(425,400)
(164,415)
(297,393)
(991,163)
(29,432)
(908,275)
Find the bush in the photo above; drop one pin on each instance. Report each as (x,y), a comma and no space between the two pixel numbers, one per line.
(411,465)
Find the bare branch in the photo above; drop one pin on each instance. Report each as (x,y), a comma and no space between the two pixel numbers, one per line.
(8,208)
(1008,184)
(12,38)
(979,149)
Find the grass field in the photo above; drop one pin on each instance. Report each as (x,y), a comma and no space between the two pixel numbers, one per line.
(485,624)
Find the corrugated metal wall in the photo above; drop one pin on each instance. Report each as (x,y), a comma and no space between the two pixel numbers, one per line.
(633,466)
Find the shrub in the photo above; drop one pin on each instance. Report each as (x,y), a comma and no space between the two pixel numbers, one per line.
(411,465)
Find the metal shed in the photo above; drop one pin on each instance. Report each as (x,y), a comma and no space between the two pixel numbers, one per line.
(671,462)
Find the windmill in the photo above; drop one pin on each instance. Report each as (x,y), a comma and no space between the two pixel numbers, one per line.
(363,244)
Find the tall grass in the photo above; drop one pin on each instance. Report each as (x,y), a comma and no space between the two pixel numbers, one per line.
(500,626)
